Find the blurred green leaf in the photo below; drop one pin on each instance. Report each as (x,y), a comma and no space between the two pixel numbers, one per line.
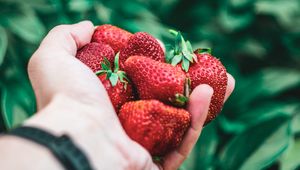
(240,3)
(270,150)
(258,114)
(232,22)
(138,10)
(258,146)
(275,80)
(207,147)
(202,156)
(287,12)
(103,12)
(253,48)
(3,44)
(44,6)
(26,24)
(80,5)
(290,159)
(14,108)
(296,122)
(267,82)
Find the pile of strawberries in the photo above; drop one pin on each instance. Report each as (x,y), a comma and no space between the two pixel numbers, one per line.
(149,88)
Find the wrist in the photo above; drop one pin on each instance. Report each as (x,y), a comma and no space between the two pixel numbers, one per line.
(63,114)
(84,124)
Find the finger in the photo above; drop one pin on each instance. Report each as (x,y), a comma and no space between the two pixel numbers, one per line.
(198,108)
(230,86)
(53,66)
(68,38)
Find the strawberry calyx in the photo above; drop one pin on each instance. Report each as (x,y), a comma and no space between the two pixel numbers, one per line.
(181,52)
(115,75)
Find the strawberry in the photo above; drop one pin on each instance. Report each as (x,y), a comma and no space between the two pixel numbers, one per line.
(116,83)
(157,127)
(209,70)
(114,36)
(201,68)
(157,80)
(93,54)
(142,44)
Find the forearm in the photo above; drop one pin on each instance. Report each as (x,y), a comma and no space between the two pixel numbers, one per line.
(61,116)
(18,153)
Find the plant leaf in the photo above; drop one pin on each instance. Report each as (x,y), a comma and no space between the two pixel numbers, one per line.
(116,62)
(271,149)
(169,53)
(203,154)
(113,78)
(106,62)
(290,159)
(188,55)
(80,5)
(3,44)
(26,24)
(173,32)
(257,114)
(108,74)
(189,46)
(178,45)
(176,59)
(250,149)
(185,64)
(104,66)
(101,72)
(16,105)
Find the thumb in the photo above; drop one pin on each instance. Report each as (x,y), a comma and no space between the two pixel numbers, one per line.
(68,38)
(51,66)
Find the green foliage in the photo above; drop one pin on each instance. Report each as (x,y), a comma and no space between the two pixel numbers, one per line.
(257,40)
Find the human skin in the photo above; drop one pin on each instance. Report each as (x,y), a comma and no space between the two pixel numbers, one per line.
(71,100)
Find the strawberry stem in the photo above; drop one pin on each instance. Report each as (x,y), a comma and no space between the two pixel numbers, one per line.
(157,159)
(180,100)
(187,87)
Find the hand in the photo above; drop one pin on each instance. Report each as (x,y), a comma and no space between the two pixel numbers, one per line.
(72,100)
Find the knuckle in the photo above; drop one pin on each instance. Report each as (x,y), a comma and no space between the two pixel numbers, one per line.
(140,160)
(59,28)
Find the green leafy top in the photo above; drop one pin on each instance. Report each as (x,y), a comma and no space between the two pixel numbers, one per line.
(182,51)
(204,50)
(116,74)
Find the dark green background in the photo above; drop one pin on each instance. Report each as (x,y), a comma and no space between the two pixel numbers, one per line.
(257,40)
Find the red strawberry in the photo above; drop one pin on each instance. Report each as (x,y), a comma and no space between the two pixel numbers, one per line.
(209,70)
(157,127)
(142,44)
(114,36)
(93,54)
(157,80)
(202,68)
(116,84)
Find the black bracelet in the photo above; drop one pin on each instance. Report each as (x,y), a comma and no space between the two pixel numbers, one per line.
(62,147)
